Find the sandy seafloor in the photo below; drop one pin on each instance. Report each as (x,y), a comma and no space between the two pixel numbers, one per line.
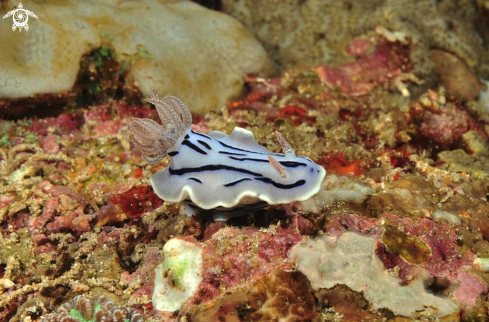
(407,174)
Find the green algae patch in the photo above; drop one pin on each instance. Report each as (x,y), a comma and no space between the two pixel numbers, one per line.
(5,141)
(177,266)
(30,137)
(179,276)
(410,248)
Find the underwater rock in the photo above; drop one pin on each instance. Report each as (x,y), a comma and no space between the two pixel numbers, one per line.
(381,61)
(137,200)
(280,296)
(445,259)
(449,217)
(143,278)
(470,288)
(284,295)
(157,40)
(459,161)
(351,222)
(326,27)
(484,98)
(335,188)
(56,170)
(195,273)
(415,252)
(222,308)
(443,119)
(457,78)
(350,259)
(477,143)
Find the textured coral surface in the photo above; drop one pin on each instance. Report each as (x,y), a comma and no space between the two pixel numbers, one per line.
(315,32)
(154,41)
(407,182)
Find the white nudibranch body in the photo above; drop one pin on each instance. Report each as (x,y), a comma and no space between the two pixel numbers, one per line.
(227,173)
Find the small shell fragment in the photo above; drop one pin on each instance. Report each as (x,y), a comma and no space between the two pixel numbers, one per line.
(481,264)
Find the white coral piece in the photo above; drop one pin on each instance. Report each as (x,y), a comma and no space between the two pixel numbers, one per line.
(350,259)
(179,276)
(154,139)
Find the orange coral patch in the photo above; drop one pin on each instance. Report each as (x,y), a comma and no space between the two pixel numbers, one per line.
(337,163)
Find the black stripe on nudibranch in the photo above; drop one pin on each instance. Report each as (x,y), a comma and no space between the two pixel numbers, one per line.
(204,144)
(212,167)
(173,153)
(236,182)
(247,151)
(187,137)
(202,135)
(231,153)
(193,147)
(238,149)
(249,159)
(292,164)
(195,179)
(296,184)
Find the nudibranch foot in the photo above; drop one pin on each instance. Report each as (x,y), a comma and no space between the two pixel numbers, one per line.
(222,213)
(231,174)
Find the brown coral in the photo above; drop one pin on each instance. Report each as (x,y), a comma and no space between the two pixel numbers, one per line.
(92,309)
(283,296)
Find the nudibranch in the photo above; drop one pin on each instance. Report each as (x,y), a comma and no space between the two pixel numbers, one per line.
(230,174)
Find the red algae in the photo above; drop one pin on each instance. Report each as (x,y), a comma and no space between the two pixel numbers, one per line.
(137,200)
(470,288)
(297,114)
(337,163)
(446,259)
(352,222)
(443,119)
(233,256)
(379,61)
